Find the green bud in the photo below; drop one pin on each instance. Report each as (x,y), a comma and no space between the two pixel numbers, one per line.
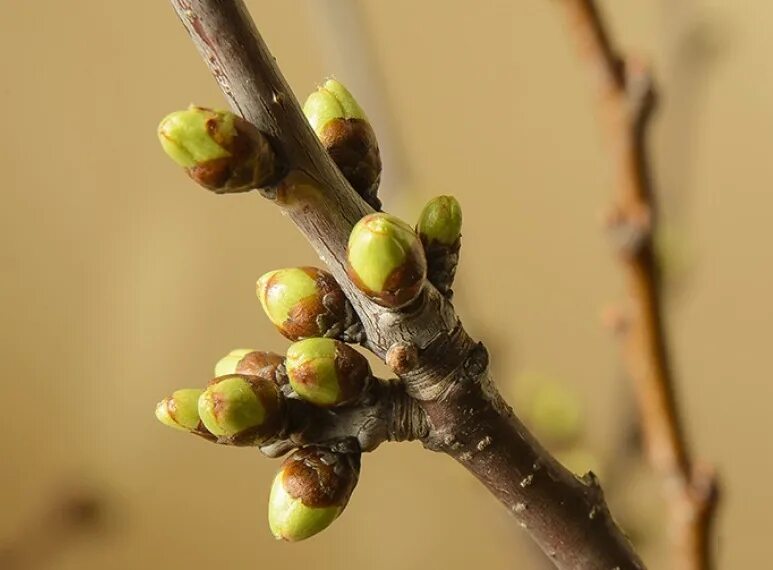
(386,260)
(326,372)
(180,410)
(346,134)
(440,221)
(197,135)
(303,302)
(249,362)
(310,491)
(330,102)
(218,149)
(241,409)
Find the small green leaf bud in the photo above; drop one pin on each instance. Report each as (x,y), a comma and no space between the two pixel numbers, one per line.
(386,260)
(180,410)
(218,149)
(440,227)
(346,134)
(440,221)
(249,362)
(310,491)
(305,302)
(326,372)
(241,409)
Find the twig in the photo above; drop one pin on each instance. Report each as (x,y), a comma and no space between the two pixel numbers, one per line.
(467,418)
(627,96)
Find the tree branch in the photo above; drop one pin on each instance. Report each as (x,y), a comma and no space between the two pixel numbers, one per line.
(386,413)
(467,418)
(627,96)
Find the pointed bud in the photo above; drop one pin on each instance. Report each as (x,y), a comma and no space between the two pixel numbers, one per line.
(242,410)
(440,221)
(310,491)
(386,260)
(250,362)
(305,302)
(180,410)
(440,230)
(346,134)
(218,149)
(326,372)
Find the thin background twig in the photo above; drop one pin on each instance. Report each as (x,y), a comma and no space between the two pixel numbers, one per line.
(627,97)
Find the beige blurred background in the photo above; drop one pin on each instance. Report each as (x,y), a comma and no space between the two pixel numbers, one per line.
(121,281)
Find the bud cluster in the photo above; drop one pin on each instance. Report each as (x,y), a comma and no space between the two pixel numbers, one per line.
(260,398)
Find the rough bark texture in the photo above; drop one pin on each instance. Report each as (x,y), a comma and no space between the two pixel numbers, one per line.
(385,413)
(627,97)
(466,418)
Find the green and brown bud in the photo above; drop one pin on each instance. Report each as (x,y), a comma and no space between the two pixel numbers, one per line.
(305,302)
(251,363)
(241,409)
(310,491)
(180,410)
(440,230)
(386,260)
(219,150)
(326,372)
(346,134)
(440,221)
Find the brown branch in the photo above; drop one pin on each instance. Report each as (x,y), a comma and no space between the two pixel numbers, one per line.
(468,420)
(385,413)
(627,96)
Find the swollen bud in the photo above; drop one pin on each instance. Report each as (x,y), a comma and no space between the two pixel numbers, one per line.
(219,150)
(241,409)
(440,221)
(310,491)
(180,410)
(250,362)
(326,372)
(344,131)
(305,302)
(386,260)
(440,230)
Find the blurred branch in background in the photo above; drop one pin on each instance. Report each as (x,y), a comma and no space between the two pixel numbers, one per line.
(347,43)
(627,97)
(694,42)
(72,513)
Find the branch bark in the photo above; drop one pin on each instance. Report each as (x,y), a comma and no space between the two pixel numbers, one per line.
(385,413)
(466,417)
(627,97)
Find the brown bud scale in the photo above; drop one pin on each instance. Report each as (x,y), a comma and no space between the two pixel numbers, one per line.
(320,478)
(353,147)
(261,364)
(253,162)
